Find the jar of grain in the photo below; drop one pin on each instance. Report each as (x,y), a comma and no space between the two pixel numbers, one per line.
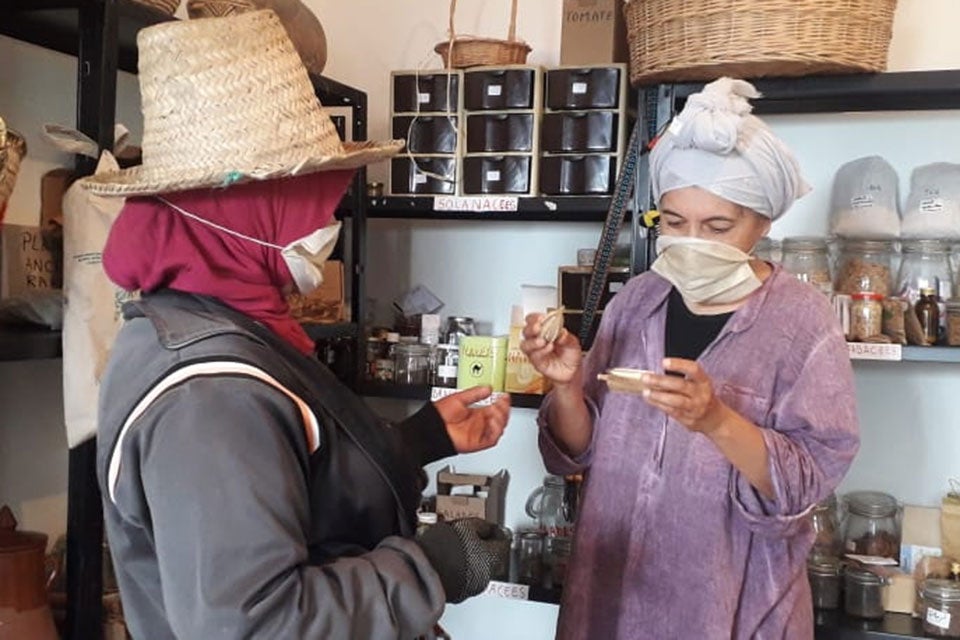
(866,316)
(807,258)
(941,608)
(865,266)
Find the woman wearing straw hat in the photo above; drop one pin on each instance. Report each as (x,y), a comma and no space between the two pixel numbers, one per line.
(701,472)
(247,493)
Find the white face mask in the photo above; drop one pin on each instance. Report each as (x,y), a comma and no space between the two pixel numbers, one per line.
(705,272)
(304,257)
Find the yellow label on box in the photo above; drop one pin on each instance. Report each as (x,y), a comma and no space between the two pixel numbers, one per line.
(522,377)
(483,361)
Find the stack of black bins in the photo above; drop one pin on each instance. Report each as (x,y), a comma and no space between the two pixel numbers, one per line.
(584,130)
(425,112)
(501,111)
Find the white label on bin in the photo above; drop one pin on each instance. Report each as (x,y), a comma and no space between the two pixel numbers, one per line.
(579,88)
(861,202)
(931,205)
(495,90)
(423,98)
(493,176)
(508,590)
(939,619)
(419,178)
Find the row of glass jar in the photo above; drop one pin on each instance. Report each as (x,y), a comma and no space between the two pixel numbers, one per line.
(870,526)
(403,360)
(868,266)
(862,591)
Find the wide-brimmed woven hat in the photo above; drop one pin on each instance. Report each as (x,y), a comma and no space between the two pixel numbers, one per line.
(12,149)
(227,100)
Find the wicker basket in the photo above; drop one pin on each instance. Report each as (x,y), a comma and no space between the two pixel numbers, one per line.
(12,149)
(167,7)
(460,52)
(681,40)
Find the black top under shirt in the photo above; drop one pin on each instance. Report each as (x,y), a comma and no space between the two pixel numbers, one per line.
(688,335)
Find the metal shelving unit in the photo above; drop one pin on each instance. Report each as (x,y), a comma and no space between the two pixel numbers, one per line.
(102,35)
(529,209)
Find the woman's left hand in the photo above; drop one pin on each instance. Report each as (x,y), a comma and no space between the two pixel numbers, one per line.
(688,398)
(473,428)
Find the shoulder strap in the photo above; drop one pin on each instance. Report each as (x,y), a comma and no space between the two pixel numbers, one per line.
(200,369)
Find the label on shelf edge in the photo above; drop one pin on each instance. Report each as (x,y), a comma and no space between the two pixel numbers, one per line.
(477,204)
(436,393)
(875,351)
(508,590)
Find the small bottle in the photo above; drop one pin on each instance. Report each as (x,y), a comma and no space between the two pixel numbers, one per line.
(928,313)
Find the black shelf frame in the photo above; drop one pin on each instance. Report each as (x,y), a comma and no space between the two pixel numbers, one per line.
(529,209)
(102,36)
(422,392)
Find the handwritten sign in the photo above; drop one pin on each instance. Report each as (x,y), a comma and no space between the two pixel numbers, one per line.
(508,590)
(871,351)
(477,204)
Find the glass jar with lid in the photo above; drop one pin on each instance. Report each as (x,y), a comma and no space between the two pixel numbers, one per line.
(865,266)
(871,526)
(925,264)
(808,259)
(863,593)
(412,363)
(768,250)
(825,521)
(953,322)
(824,577)
(941,608)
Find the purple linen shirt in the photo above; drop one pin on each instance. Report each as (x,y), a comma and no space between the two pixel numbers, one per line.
(671,541)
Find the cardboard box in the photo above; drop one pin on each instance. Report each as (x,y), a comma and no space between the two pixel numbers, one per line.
(25,264)
(899,593)
(593,32)
(325,305)
(482,361)
(464,495)
(920,537)
(521,376)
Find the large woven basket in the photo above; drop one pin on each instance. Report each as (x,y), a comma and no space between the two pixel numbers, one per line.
(683,40)
(168,7)
(12,149)
(461,52)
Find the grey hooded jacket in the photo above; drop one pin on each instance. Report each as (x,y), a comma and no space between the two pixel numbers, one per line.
(248,494)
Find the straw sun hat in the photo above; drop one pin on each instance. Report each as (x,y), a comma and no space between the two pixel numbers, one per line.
(12,149)
(227,100)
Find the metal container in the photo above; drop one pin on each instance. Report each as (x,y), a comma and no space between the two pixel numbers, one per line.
(863,594)
(941,608)
(824,577)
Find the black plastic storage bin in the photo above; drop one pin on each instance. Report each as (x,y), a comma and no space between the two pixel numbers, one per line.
(484,175)
(426,92)
(430,134)
(500,133)
(575,283)
(577,175)
(407,179)
(499,89)
(587,88)
(579,132)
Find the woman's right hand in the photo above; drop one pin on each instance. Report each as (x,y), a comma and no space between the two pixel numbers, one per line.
(558,361)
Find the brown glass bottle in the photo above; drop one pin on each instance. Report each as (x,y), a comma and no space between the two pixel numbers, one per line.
(928,313)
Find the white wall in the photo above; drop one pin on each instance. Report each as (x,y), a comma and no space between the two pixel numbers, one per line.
(909,428)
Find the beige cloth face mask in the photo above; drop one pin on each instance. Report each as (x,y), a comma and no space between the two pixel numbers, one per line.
(705,272)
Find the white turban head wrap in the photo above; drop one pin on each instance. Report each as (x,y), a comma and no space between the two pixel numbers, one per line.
(717,145)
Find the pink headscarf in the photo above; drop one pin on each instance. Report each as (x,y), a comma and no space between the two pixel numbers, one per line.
(151,246)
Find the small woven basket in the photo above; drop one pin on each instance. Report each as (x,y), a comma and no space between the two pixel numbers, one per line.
(461,52)
(167,7)
(693,40)
(12,149)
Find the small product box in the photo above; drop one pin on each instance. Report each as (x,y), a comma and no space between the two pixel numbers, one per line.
(522,377)
(483,361)
(465,495)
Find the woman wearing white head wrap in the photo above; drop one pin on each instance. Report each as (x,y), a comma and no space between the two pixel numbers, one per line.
(694,519)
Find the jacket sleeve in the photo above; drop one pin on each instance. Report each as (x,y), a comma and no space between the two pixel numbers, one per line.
(812,442)
(596,361)
(424,436)
(228,505)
